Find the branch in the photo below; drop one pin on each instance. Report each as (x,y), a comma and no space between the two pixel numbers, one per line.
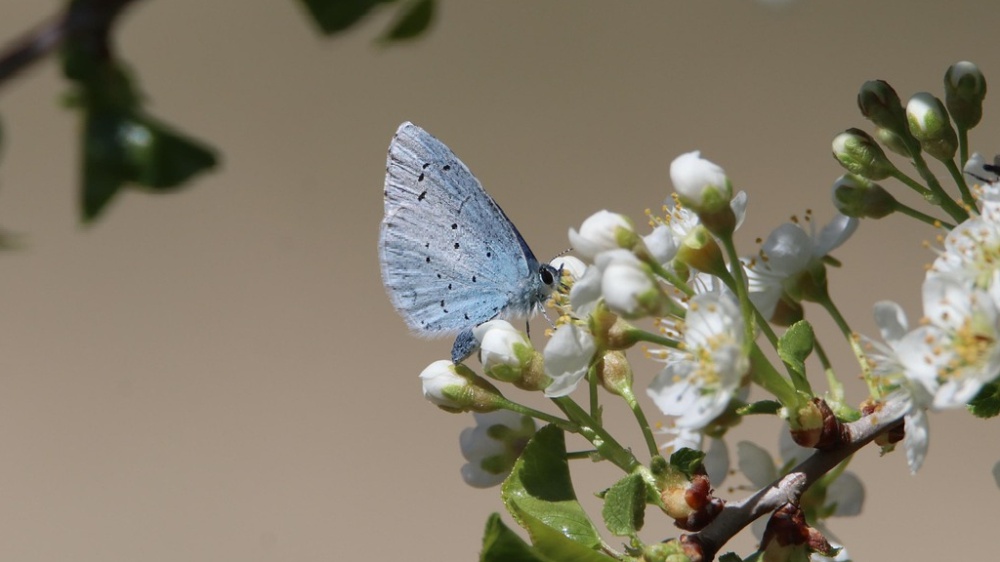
(89,19)
(788,489)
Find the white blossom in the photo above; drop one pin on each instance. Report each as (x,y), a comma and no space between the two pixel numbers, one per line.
(700,380)
(567,357)
(493,445)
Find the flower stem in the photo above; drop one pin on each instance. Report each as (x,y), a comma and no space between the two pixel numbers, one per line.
(866,371)
(609,448)
(911,212)
(956,175)
(640,418)
(562,424)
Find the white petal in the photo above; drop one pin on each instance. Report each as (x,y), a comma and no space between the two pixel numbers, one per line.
(891,320)
(756,464)
(567,357)
(848,493)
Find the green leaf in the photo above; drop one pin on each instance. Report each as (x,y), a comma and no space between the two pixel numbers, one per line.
(794,347)
(688,461)
(123,147)
(500,544)
(759,407)
(334,16)
(555,545)
(625,506)
(730,557)
(986,404)
(162,158)
(414,19)
(539,488)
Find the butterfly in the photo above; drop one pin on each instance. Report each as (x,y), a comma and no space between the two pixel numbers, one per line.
(450,257)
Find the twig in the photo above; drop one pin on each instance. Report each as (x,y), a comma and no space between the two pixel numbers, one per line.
(737,515)
(90,19)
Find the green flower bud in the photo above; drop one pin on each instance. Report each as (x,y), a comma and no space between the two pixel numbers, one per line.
(929,124)
(896,143)
(964,90)
(855,196)
(880,104)
(858,152)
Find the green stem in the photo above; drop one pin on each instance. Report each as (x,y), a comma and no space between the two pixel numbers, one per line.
(911,212)
(649,337)
(767,377)
(963,145)
(742,291)
(671,278)
(595,403)
(866,371)
(609,448)
(963,187)
(940,197)
(640,418)
(562,424)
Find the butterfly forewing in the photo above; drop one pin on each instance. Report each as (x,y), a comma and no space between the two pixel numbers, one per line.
(450,258)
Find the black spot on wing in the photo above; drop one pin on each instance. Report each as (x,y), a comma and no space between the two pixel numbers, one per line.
(423,194)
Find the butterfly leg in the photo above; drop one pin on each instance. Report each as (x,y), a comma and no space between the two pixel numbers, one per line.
(465,345)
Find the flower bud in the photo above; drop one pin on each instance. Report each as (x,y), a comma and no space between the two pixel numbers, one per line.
(506,354)
(615,373)
(703,187)
(930,125)
(601,232)
(567,357)
(896,143)
(569,265)
(964,90)
(858,152)
(700,251)
(880,104)
(629,288)
(855,196)
(455,388)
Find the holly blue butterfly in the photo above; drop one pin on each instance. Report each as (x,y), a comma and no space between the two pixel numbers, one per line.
(450,257)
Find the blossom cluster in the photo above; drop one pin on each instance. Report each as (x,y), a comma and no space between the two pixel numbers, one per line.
(710,317)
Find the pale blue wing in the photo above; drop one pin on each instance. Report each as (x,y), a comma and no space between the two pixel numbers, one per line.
(450,257)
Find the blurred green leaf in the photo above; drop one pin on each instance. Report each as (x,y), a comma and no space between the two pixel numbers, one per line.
(986,404)
(334,16)
(500,544)
(122,147)
(539,487)
(414,18)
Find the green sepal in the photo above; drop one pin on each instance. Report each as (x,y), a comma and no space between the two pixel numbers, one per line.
(687,461)
(794,347)
(412,20)
(539,489)
(759,407)
(624,508)
(500,544)
(986,404)
(730,557)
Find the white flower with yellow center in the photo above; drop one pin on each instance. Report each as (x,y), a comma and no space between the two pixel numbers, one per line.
(971,251)
(702,377)
(961,341)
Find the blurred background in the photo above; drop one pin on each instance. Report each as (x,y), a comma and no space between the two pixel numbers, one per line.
(218,374)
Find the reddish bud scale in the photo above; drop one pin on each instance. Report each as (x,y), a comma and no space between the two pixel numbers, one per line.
(830,435)
(704,507)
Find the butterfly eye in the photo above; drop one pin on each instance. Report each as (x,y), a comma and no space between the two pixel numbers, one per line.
(547,274)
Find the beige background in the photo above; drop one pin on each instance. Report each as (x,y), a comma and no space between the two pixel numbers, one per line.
(218,375)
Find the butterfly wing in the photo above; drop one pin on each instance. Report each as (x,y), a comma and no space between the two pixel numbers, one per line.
(450,257)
